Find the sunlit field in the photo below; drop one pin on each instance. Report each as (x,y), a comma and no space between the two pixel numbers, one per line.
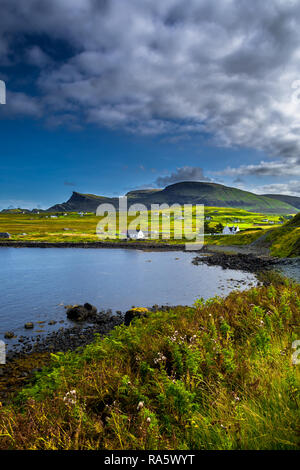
(73,227)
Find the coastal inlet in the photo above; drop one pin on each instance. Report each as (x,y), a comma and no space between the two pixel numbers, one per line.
(36,284)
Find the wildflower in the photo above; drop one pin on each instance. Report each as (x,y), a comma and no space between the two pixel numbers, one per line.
(235,397)
(174,337)
(140,405)
(148,420)
(70,397)
(160,358)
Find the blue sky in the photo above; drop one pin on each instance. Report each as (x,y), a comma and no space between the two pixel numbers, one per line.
(104,98)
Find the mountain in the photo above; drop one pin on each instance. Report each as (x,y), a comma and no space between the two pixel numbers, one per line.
(292,200)
(213,194)
(82,202)
(209,194)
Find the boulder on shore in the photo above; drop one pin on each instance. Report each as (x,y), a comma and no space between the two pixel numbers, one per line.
(81,312)
(136,312)
(90,308)
(9,335)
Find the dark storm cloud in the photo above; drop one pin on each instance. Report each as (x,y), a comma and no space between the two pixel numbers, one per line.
(224,68)
(186,173)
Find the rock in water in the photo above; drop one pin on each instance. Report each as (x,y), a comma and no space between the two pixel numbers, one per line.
(9,335)
(29,325)
(77,313)
(90,308)
(81,312)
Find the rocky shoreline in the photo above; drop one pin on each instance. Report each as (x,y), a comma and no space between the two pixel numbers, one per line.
(239,261)
(34,352)
(120,244)
(251,263)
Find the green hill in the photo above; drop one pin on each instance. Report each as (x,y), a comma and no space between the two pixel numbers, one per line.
(209,194)
(217,195)
(292,200)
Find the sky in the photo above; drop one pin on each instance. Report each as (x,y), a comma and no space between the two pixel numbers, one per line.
(107,96)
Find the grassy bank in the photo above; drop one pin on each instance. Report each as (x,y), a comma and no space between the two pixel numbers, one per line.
(214,376)
(242,238)
(285,241)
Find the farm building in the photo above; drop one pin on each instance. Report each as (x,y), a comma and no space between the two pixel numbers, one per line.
(230,230)
(140,235)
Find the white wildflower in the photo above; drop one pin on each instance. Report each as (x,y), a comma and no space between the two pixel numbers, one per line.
(140,405)
(70,397)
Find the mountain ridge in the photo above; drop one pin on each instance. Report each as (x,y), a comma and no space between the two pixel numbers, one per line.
(189,192)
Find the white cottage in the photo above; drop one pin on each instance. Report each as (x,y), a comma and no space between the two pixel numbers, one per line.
(140,235)
(230,230)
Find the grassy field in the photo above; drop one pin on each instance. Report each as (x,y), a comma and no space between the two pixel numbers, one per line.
(218,375)
(75,228)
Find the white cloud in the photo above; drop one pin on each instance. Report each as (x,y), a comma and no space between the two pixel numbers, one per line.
(280,168)
(291,188)
(20,103)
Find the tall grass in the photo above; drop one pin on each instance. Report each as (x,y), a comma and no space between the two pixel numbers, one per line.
(217,375)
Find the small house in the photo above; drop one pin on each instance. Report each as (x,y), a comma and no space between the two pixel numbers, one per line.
(230,230)
(140,235)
